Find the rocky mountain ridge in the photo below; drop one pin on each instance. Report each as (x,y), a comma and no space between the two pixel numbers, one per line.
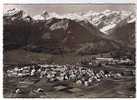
(68,32)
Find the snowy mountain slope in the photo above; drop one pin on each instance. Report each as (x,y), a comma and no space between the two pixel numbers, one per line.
(105,21)
(72,28)
(16,14)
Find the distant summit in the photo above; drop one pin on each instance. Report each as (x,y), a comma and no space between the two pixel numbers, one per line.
(16,14)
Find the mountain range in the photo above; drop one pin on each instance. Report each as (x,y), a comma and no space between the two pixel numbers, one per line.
(96,32)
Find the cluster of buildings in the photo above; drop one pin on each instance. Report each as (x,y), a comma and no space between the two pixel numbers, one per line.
(74,73)
(109,61)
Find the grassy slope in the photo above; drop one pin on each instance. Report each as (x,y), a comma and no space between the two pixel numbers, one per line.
(20,56)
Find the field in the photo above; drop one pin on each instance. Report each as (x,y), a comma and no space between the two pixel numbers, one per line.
(20,56)
(117,89)
(122,86)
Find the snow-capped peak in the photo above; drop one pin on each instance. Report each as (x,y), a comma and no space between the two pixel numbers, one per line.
(12,12)
(38,17)
(15,13)
(104,21)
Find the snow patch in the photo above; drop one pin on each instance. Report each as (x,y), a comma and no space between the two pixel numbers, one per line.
(108,27)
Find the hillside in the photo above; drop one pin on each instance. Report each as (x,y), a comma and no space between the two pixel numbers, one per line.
(124,34)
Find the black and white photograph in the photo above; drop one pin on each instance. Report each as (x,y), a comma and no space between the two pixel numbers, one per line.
(69,50)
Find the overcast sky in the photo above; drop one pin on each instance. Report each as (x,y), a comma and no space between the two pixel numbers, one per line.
(34,9)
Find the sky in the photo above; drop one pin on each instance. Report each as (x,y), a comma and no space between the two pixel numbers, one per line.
(35,9)
(69,1)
